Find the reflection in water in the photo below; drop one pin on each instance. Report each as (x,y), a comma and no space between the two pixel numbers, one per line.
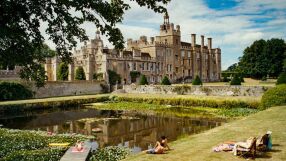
(127,129)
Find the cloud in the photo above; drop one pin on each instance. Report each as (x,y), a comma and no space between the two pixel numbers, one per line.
(232,28)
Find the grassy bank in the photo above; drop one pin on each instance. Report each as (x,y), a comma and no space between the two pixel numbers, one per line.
(187,100)
(23,105)
(199,147)
(179,111)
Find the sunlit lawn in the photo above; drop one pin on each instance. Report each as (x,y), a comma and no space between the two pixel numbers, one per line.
(199,147)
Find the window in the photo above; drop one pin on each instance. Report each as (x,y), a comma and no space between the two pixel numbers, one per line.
(143,66)
(198,55)
(182,53)
(177,57)
(134,66)
(189,54)
(189,62)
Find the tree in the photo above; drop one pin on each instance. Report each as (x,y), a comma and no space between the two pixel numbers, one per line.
(165,81)
(114,77)
(20,23)
(143,80)
(281,79)
(80,74)
(63,72)
(236,80)
(197,81)
(263,58)
(134,75)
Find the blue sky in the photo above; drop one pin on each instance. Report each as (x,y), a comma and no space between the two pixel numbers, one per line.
(233,24)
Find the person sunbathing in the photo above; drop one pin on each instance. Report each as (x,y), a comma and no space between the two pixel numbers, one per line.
(164,143)
(158,149)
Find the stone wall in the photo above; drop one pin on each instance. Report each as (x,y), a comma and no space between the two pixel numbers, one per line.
(55,89)
(198,90)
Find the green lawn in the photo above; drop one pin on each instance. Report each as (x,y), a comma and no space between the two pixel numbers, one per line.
(199,147)
(52,99)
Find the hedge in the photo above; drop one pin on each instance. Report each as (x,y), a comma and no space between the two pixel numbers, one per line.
(14,91)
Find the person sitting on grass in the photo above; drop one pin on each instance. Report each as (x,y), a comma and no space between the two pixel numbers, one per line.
(158,149)
(165,143)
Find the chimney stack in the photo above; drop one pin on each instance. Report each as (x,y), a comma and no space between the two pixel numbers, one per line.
(209,43)
(193,40)
(202,41)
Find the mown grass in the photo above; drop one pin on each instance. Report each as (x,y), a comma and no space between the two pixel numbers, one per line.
(199,147)
(32,104)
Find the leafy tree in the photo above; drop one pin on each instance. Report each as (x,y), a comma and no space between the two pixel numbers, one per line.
(263,58)
(80,74)
(232,68)
(281,79)
(63,72)
(165,81)
(236,80)
(20,37)
(134,75)
(143,80)
(197,81)
(113,77)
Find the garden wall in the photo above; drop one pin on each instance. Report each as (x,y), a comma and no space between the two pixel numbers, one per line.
(198,90)
(55,89)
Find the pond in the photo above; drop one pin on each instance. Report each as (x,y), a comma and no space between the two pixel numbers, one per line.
(132,129)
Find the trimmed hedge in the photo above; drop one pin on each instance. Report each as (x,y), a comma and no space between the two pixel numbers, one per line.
(274,97)
(197,81)
(143,80)
(235,80)
(14,91)
(165,81)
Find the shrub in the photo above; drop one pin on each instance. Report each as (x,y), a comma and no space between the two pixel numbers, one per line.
(197,81)
(36,155)
(63,72)
(241,79)
(14,91)
(134,75)
(225,79)
(109,154)
(281,79)
(80,74)
(235,80)
(264,78)
(165,81)
(97,76)
(113,77)
(143,80)
(274,97)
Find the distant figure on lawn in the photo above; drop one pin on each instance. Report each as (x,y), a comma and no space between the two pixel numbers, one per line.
(164,143)
(158,149)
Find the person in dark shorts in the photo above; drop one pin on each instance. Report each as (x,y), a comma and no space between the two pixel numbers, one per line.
(159,149)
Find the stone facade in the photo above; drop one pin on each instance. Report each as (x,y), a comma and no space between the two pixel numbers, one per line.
(58,89)
(255,91)
(163,55)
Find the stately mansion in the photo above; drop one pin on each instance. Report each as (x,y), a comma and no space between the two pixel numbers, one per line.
(163,55)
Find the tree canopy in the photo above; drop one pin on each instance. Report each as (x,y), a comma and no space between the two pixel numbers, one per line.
(261,59)
(20,23)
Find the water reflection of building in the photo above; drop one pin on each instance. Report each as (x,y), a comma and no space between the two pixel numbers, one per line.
(135,132)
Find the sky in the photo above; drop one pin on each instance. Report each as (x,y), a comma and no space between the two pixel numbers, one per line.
(233,24)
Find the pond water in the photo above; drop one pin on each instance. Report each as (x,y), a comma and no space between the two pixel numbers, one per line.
(132,129)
